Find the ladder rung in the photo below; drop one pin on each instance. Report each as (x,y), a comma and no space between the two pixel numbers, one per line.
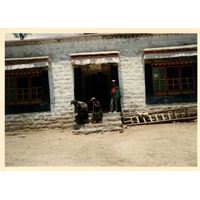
(163,117)
(137,119)
(150,118)
(156,117)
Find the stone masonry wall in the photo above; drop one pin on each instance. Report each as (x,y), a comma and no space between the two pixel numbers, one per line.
(61,77)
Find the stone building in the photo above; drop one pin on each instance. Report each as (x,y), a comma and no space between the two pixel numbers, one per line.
(42,76)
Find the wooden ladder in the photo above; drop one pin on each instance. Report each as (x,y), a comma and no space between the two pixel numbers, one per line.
(168,115)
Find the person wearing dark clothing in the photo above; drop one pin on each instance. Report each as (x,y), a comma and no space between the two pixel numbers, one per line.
(115,97)
(81,110)
(97,113)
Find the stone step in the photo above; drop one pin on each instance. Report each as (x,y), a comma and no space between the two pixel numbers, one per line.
(112,114)
(109,114)
(104,124)
(98,125)
(109,117)
(96,130)
(111,122)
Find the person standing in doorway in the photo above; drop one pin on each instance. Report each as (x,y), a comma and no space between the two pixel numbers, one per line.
(115,97)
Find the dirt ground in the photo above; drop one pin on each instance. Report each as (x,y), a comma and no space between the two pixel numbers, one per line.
(165,145)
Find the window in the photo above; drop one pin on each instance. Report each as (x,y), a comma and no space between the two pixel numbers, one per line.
(159,79)
(171,74)
(23,89)
(27,85)
(173,80)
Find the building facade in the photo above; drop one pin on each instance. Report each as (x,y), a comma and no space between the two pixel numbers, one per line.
(42,76)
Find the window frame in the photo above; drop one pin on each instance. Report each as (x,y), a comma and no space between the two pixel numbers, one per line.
(28,93)
(179,80)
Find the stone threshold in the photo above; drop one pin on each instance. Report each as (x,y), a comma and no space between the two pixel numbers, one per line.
(111,122)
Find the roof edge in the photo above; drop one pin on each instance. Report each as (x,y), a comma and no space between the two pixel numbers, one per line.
(82,36)
(171,48)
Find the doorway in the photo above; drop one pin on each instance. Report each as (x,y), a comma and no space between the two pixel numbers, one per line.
(95,84)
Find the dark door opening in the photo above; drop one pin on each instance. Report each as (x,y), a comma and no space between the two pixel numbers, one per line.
(96,85)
